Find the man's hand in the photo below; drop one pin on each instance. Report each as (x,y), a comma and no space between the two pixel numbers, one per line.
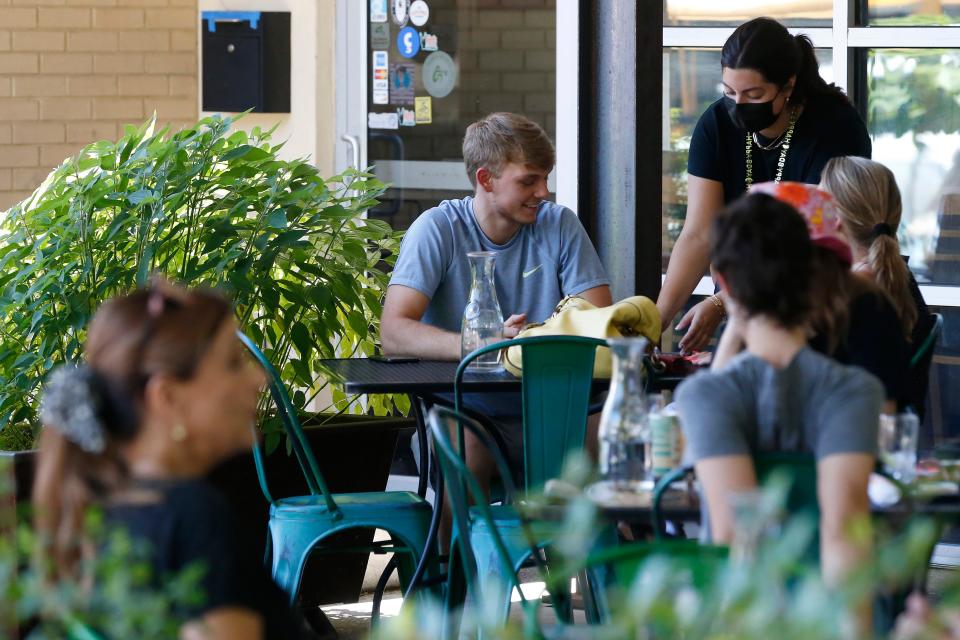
(514,325)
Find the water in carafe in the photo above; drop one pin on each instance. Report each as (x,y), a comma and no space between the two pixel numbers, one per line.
(625,455)
(482,319)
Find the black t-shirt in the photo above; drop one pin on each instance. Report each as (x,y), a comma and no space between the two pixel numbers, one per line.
(827,128)
(190,522)
(875,342)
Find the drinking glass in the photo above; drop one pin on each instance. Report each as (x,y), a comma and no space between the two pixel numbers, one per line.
(898,444)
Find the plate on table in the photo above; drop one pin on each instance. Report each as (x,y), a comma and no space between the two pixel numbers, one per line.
(640,496)
(884,493)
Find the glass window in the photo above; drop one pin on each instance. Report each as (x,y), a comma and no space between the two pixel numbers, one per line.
(734,12)
(692,78)
(914,118)
(911,12)
(504,59)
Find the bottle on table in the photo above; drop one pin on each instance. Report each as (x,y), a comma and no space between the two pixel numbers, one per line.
(624,427)
(666,447)
(482,320)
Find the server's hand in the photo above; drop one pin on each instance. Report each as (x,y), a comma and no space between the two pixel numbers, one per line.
(701,323)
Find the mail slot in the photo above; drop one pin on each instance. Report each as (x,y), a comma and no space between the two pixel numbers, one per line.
(246,61)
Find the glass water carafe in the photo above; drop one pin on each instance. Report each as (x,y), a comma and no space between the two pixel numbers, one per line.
(482,319)
(624,425)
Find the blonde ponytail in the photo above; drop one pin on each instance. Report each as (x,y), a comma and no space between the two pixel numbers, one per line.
(891,274)
(870,208)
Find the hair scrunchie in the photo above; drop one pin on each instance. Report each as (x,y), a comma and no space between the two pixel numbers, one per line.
(882,229)
(72,404)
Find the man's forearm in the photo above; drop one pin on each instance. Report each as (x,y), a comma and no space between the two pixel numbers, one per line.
(413,338)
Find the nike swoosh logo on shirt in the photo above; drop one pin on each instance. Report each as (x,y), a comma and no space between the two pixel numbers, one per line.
(527,274)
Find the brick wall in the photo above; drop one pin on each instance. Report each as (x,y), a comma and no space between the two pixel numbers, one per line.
(75,71)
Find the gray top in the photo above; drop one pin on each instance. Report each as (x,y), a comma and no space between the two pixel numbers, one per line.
(535,269)
(813,404)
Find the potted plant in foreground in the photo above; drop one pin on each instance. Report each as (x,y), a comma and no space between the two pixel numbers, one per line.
(205,206)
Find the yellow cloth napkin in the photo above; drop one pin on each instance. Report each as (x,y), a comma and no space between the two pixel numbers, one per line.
(634,316)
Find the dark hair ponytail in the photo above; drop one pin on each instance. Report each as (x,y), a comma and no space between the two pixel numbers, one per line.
(765,45)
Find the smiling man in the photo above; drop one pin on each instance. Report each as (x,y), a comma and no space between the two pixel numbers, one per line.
(543,254)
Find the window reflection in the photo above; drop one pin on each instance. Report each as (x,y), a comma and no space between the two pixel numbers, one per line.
(911,13)
(914,118)
(733,12)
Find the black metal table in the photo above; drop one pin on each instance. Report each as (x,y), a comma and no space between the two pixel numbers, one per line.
(427,377)
(683,505)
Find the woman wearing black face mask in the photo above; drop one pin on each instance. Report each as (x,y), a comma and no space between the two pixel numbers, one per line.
(777,120)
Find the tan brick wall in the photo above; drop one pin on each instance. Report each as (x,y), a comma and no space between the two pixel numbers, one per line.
(76,71)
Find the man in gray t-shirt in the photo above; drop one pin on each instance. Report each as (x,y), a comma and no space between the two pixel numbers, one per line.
(543,254)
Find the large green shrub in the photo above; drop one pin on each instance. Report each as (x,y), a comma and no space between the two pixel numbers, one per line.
(204,206)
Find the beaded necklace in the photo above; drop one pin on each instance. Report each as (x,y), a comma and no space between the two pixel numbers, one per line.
(748,181)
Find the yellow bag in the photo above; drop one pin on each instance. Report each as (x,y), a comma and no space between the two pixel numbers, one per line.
(635,316)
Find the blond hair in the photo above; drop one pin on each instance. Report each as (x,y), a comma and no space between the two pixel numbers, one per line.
(869,204)
(504,137)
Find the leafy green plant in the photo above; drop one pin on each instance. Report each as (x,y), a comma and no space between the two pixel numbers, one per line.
(204,206)
(771,591)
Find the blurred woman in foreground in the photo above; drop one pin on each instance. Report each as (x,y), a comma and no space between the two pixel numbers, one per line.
(166,393)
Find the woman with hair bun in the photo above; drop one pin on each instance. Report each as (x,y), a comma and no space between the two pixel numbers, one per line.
(167,392)
(777,120)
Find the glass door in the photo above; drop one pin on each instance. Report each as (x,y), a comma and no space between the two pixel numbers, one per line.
(416,74)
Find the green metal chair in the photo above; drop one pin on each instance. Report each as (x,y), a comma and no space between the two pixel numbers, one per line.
(698,563)
(300,525)
(929,342)
(557,381)
(77,630)
(801,469)
(490,542)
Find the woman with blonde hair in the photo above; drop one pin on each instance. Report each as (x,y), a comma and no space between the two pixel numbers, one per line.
(868,204)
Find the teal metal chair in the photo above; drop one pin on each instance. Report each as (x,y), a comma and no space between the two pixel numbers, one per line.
(77,630)
(800,469)
(699,564)
(300,525)
(490,543)
(929,342)
(557,381)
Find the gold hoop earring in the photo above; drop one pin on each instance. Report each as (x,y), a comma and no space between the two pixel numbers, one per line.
(178,433)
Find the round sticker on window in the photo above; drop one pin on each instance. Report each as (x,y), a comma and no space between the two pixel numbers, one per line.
(439,74)
(419,13)
(408,42)
(399,11)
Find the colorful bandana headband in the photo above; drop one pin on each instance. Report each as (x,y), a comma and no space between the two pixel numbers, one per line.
(817,208)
